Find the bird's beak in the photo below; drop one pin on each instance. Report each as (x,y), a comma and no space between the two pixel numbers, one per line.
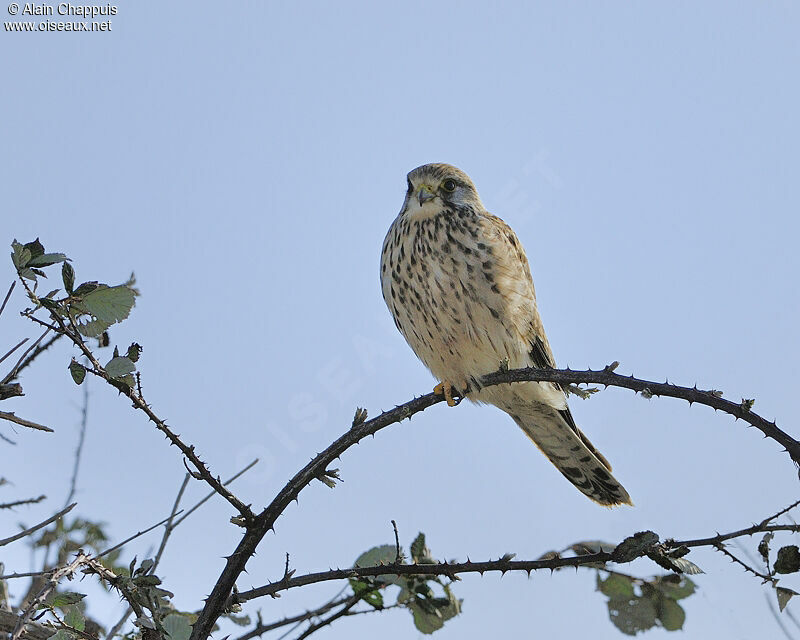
(424,194)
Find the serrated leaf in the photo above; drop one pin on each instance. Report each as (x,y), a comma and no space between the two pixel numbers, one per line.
(66,598)
(68,277)
(134,351)
(632,616)
(634,546)
(431,616)
(685,566)
(36,248)
(147,563)
(383,554)
(240,621)
(74,618)
(86,287)
(26,273)
(587,547)
(119,366)
(77,372)
(616,587)
(47,303)
(20,255)
(147,581)
(177,627)
(671,614)
(46,259)
(110,304)
(677,590)
(784,595)
(787,560)
(368,593)
(419,551)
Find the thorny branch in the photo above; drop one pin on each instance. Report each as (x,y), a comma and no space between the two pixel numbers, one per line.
(188,451)
(219,599)
(503,565)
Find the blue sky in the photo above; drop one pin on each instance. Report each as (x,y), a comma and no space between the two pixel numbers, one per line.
(246,161)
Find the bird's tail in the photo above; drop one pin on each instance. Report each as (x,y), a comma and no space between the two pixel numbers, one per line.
(555,433)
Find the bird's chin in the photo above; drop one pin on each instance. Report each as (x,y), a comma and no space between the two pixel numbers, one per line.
(427,210)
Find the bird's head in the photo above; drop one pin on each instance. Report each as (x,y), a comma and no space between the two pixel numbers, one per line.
(435,189)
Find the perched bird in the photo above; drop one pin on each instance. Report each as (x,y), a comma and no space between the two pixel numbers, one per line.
(459,287)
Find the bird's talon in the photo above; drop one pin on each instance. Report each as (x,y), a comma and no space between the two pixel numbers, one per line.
(446,389)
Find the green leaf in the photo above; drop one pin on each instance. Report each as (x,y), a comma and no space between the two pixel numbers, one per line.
(420,552)
(634,546)
(49,304)
(431,616)
(788,560)
(368,593)
(383,554)
(45,260)
(241,621)
(588,547)
(26,273)
(110,304)
(632,616)
(77,371)
(68,276)
(66,598)
(616,587)
(119,367)
(683,565)
(85,288)
(671,614)
(177,627)
(74,618)
(676,587)
(62,634)
(36,248)
(20,255)
(134,351)
(784,595)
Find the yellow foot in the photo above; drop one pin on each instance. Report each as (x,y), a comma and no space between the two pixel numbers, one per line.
(445,389)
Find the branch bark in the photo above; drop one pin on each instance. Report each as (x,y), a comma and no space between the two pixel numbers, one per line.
(219,599)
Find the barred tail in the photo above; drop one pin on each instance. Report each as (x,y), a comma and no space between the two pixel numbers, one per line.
(556,435)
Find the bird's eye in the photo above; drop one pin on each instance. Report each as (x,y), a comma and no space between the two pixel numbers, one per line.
(449,185)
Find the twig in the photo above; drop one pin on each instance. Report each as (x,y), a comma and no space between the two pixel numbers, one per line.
(187,450)
(34,528)
(49,586)
(170,526)
(79,449)
(37,352)
(29,574)
(398,554)
(747,567)
(261,629)
(313,628)
(13,349)
(10,390)
(133,537)
(11,417)
(8,295)
(11,505)
(213,493)
(13,373)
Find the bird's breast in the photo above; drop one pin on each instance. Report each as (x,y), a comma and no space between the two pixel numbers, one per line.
(439,279)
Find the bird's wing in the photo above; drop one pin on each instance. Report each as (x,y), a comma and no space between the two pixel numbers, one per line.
(513,268)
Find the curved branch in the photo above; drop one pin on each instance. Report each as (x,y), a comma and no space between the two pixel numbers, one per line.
(219,599)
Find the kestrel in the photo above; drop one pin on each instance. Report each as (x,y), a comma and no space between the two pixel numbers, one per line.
(459,287)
